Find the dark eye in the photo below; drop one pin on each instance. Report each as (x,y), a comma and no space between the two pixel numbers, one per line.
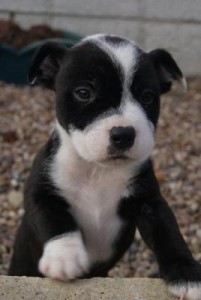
(84,94)
(147,97)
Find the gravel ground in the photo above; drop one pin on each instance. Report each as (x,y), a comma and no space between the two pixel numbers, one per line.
(26,120)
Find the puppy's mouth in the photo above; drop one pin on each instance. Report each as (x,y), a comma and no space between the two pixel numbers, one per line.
(118,157)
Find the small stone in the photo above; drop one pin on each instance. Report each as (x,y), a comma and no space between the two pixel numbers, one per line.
(3,183)
(194,207)
(192,228)
(137,236)
(15,198)
(132,251)
(198,233)
(11,214)
(161,176)
(15,175)
(10,136)
(21,212)
(14,183)
(153,270)
(173,185)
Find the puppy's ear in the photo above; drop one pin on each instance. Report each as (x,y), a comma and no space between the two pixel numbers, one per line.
(167,70)
(46,64)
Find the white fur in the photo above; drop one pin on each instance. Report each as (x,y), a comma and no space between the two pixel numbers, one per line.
(124,53)
(93,193)
(92,143)
(64,257)
(189,291)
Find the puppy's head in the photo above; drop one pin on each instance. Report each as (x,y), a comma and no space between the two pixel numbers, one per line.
(107,94)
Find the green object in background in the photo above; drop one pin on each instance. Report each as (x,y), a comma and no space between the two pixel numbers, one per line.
(14,64)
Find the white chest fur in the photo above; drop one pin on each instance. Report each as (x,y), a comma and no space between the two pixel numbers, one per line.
(93,193)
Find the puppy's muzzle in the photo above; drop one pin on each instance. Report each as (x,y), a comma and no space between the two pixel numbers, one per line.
(122,138)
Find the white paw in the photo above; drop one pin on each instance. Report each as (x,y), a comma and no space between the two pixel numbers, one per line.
(64,258)
(186,291)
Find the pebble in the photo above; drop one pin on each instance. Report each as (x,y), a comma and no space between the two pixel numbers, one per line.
(15,198)
(198,233)
(161,176)
(192,228)
(194,207)
(14,183)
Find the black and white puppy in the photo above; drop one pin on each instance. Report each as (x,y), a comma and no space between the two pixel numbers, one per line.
(93,182)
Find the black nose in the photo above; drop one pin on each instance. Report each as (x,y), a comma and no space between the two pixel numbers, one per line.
(122,138)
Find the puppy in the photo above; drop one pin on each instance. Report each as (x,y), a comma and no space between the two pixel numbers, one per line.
(93,182)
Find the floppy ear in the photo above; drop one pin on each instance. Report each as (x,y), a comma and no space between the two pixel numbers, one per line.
(167,70)
(46,64)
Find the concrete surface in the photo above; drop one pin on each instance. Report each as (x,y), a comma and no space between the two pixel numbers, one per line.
(18,288)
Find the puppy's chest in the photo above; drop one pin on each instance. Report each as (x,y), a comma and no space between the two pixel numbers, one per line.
(95,210)
(94,203)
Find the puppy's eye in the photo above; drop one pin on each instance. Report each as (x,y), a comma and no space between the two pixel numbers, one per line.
(84,94)
(147,96)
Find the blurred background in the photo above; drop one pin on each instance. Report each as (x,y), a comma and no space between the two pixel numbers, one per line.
(27,114)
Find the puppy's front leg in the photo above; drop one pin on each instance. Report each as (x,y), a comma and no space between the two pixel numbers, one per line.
(64,254)
(64,257)
(160,231)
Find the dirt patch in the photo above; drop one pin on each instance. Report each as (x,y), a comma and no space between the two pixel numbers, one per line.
(17,37)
